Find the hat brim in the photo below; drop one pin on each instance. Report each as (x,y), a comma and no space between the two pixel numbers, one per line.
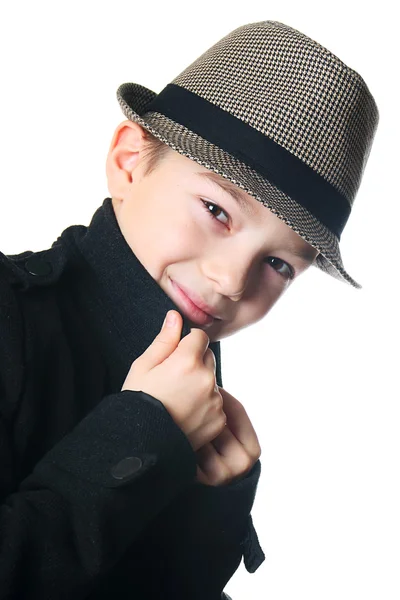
(134,98)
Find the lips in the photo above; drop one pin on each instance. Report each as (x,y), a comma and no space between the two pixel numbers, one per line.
(198,302)
(195,314)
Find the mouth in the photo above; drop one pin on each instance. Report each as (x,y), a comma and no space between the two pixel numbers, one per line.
(191,310)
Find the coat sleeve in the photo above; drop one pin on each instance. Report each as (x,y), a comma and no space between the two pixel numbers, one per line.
(91,495)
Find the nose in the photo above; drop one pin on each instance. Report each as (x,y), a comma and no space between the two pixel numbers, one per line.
(235,297)
(229,276)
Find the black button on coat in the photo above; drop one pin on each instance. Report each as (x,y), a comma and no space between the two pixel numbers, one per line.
(98,490)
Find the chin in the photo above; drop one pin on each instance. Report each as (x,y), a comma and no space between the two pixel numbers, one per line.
(211,331)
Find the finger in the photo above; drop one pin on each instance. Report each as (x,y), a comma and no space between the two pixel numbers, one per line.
(196,343)
(209,360)
(213,469)
(219,469)
(233,457)
(165,343)
(200,476)
(239,423)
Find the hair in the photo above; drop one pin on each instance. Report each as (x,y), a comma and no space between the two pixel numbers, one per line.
(155,152)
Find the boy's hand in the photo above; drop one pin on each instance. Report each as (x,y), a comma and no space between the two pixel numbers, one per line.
(232,454)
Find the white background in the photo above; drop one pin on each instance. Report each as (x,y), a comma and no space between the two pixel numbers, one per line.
(319,375)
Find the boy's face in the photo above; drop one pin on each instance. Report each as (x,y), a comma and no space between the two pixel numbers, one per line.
(238,263)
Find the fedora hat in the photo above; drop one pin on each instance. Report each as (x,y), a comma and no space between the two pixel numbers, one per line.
(278,115)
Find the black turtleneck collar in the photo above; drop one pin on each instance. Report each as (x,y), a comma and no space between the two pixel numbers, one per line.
(124,303)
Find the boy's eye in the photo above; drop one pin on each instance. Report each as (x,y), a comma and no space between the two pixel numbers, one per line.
(276,263)
(218,209)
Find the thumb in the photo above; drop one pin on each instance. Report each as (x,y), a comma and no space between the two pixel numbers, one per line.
(166,341)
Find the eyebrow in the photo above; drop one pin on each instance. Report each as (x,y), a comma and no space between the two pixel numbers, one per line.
(306,254)
(230,189)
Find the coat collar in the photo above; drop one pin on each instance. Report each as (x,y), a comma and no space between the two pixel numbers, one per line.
(125,305)
(103,290)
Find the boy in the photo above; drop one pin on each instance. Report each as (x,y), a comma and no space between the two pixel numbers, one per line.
(127,470)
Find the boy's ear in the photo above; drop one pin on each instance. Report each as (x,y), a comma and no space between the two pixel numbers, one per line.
(124,154)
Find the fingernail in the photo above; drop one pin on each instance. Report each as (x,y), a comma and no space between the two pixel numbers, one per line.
(170,319)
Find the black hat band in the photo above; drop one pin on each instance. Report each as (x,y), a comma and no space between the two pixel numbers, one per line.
(287,172)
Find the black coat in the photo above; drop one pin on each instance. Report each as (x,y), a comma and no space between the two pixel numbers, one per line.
(98,489)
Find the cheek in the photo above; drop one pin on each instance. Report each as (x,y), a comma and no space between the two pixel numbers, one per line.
(174,246)
(257,308)
(168,246)
(165,226)
(179,235)
(255,311)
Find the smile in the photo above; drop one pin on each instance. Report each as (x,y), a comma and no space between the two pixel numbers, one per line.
(191,310)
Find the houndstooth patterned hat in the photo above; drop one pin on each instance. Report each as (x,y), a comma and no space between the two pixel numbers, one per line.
(278,115)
